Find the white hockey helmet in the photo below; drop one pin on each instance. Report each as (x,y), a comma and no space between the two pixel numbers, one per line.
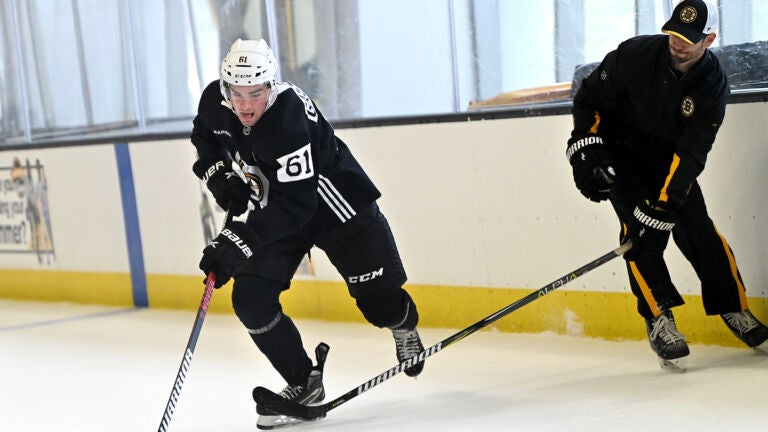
(248,63)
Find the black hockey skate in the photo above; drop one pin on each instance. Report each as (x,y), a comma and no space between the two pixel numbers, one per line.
(408,345)
(748,329)
(310,393)
(667,342)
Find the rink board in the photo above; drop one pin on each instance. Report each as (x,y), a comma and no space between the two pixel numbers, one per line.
(483,212)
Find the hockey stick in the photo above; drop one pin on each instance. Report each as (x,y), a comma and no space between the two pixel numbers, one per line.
(181,375)
(273,402)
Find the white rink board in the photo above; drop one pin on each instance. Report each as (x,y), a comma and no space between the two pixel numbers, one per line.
(481,203)
(168,198)
(492,203)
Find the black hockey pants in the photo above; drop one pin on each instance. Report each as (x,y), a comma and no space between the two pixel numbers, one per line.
(363,250)
(696,236)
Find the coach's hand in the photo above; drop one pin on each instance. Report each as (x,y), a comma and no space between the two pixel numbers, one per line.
(593,172)
(649,231)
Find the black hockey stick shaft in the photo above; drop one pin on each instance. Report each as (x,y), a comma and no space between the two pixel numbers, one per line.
(274,402)
(181,375)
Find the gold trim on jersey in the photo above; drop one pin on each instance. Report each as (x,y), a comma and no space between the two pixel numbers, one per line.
(663,196)
(595,125)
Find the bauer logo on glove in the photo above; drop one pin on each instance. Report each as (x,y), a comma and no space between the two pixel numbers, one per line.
(213,169)
(228,251)
(237,241)
(228,189)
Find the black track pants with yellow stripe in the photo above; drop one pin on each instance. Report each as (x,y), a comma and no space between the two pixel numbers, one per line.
(696,236)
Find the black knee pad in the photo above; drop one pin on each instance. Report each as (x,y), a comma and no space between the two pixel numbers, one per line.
(256,301)
(393,309)
(366,255)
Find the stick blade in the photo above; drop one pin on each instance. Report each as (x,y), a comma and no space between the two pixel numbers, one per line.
(268,399)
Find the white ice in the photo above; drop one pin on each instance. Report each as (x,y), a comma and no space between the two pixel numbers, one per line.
(66,367)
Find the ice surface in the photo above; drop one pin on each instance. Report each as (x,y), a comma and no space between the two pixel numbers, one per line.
(67,367)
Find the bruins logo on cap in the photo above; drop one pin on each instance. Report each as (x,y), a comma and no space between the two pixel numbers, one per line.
(687,106)
(688,14)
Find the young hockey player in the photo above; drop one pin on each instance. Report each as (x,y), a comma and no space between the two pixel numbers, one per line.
(302,188)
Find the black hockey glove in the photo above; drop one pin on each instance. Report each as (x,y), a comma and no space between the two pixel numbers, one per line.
(228,189)
(649,231)
(591,163)
(228,251)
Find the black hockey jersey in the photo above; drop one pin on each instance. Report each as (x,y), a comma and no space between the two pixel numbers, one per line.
(294,163)
(670,121)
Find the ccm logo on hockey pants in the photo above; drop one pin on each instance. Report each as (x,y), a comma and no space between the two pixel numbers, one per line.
(367,276)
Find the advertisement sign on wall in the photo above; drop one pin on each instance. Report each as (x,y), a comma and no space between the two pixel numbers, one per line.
(25,222)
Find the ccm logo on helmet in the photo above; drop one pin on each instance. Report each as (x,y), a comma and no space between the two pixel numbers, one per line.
(367,276)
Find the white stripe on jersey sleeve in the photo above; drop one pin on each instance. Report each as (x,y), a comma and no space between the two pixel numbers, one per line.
(334,199)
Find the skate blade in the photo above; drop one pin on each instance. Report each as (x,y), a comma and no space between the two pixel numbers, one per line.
(267,422)
(762,348)
(678,365)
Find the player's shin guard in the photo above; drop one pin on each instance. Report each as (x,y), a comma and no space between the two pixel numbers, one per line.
(281,343)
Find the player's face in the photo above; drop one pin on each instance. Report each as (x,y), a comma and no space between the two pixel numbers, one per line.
(685,55)
(249,102)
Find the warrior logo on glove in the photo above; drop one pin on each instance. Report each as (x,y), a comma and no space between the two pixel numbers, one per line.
(593,170)
(652,222)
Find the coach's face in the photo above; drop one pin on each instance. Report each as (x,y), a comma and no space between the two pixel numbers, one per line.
(684,55)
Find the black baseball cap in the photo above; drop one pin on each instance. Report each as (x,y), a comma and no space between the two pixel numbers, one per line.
(692,20)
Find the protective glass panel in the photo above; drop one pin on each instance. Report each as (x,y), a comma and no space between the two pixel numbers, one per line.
(128,67)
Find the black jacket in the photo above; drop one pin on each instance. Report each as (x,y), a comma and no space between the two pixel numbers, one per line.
(296,166)
(661,121)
